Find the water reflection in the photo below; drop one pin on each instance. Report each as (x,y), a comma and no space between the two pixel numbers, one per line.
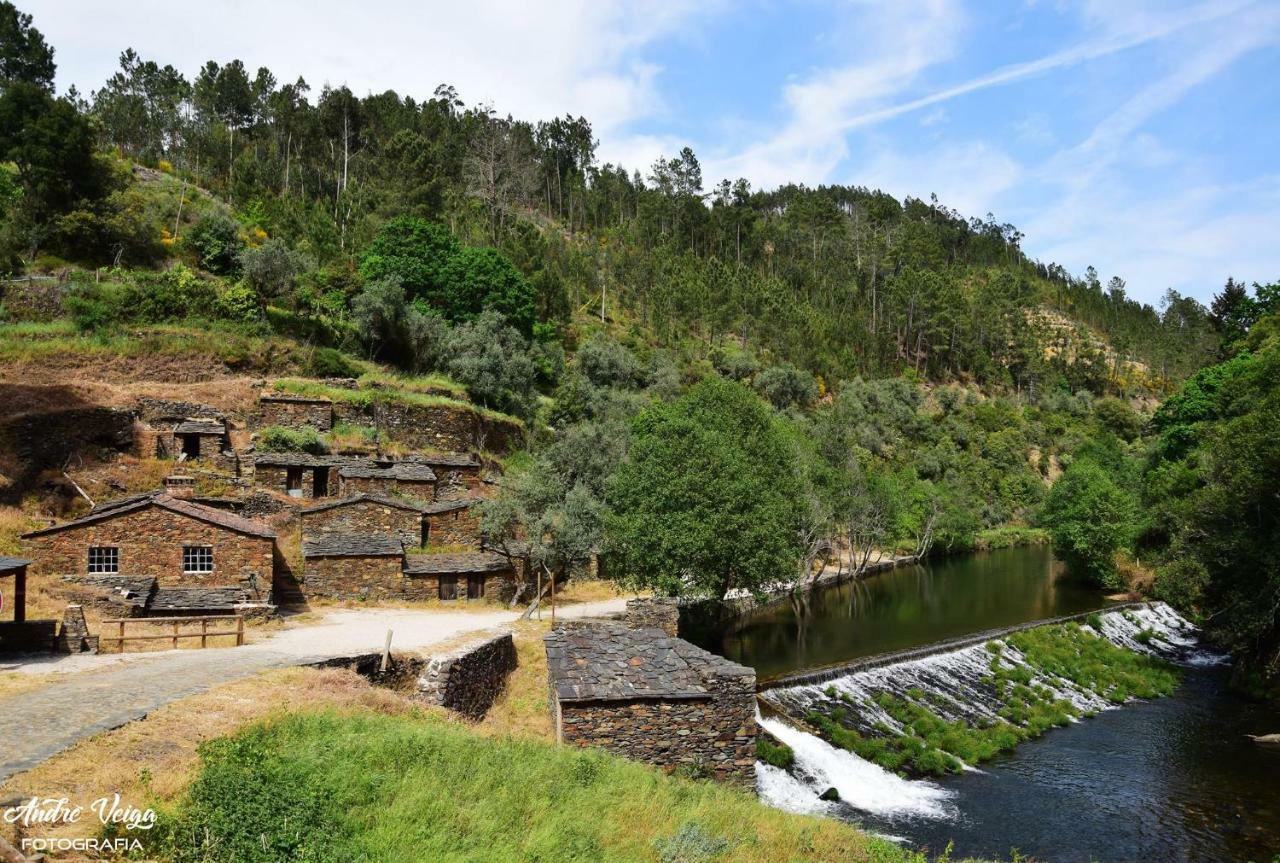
(905,607)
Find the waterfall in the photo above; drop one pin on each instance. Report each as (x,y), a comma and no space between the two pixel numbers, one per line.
(957,686)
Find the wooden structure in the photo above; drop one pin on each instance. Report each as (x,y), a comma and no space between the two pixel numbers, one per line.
(17,567)
(176,622)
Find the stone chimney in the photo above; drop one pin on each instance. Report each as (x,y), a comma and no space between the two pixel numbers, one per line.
(658,612)
(180,486)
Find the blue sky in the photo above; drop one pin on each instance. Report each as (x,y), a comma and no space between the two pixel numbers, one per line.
(1140,137)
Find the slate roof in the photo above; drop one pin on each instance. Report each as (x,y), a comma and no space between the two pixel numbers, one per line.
(603,661)
(281,397)
(408,471)
(197,598)
(451,459)
(201,427)
(439,506)
(450,564)
(131,589)
(11,563)
(299,459)
(380,499)
(352,545)
(207,514)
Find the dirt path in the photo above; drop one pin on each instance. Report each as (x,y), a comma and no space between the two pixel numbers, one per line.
(111,691)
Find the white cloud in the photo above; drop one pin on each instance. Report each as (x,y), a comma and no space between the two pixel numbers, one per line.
(533,60)
(967,176)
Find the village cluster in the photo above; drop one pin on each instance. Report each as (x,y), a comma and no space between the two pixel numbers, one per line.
(370,527)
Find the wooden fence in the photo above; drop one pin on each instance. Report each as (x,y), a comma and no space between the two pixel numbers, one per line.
(204,634)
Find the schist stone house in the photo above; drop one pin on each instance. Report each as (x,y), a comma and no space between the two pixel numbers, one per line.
(367,513)
(306,476)
(372,566)
(453,521)
(411,479)
(157,554)
(645,694)
(465,575)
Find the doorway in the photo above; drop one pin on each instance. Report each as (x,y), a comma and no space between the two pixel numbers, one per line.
(475,586)
(191,446)
(448,587)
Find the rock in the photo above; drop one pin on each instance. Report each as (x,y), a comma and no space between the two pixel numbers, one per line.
(831,795)
(1265,739)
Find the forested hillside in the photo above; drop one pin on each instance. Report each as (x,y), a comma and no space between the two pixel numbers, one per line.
(922,383)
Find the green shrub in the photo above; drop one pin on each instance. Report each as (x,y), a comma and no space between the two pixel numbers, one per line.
(777,754)
(281,439)
(330,363)
(691,844)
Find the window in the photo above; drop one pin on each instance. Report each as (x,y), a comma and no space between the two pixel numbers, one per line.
(197,558)
(104,559)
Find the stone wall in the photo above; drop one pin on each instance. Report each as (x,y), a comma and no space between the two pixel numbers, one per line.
(658,612)
(354,578)
(456,527)
(423,490)
(441,427)
(470,679)
(49,440)
(714,735)
(293,412)
(365,516)
(150,542)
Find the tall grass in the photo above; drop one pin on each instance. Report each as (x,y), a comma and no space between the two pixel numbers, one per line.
(328,786)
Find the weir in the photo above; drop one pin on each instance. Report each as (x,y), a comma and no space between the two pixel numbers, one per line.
(964,688)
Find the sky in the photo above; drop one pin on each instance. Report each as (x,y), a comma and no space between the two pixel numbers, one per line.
(1140,137)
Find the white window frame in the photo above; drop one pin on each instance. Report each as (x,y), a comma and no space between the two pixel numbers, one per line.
(199,554)
(108,556)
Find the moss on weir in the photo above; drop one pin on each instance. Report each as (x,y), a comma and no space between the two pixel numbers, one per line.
(927,743)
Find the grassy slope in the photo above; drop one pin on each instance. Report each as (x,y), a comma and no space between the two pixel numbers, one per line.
(338,786)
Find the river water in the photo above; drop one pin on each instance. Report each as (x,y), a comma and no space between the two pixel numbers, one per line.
(1174,779)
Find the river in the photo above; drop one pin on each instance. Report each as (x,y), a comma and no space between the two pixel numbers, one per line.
(1173,779)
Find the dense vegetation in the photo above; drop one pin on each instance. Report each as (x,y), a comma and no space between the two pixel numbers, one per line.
(855,372)
(329,787)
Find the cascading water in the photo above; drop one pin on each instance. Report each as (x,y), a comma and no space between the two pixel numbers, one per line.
(958,687)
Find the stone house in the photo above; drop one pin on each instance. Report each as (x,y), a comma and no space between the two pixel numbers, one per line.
(452,522)
(465,575)
(457,474)
(276,409)
(368,513)
(405,478)
(160,552)
(298,474)
(354,566)
(645,694)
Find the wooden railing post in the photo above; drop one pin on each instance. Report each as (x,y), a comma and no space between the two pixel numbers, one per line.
(122,636)
(204,632)
(176,623)
(239,631)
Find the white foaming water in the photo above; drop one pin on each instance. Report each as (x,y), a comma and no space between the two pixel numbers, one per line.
(861,784)
(955,686)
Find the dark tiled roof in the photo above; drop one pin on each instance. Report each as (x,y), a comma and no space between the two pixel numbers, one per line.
(201,427)
(132,590)
(440,506)
(353,545)
(197,598)
(450,459)
(299,459)
(8,563)
(281,397)
(408,471)
(449,564)
(602,661)
(364,496)
(206,514)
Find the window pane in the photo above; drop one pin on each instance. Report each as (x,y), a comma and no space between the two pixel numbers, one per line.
(197,558)
(104,559)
